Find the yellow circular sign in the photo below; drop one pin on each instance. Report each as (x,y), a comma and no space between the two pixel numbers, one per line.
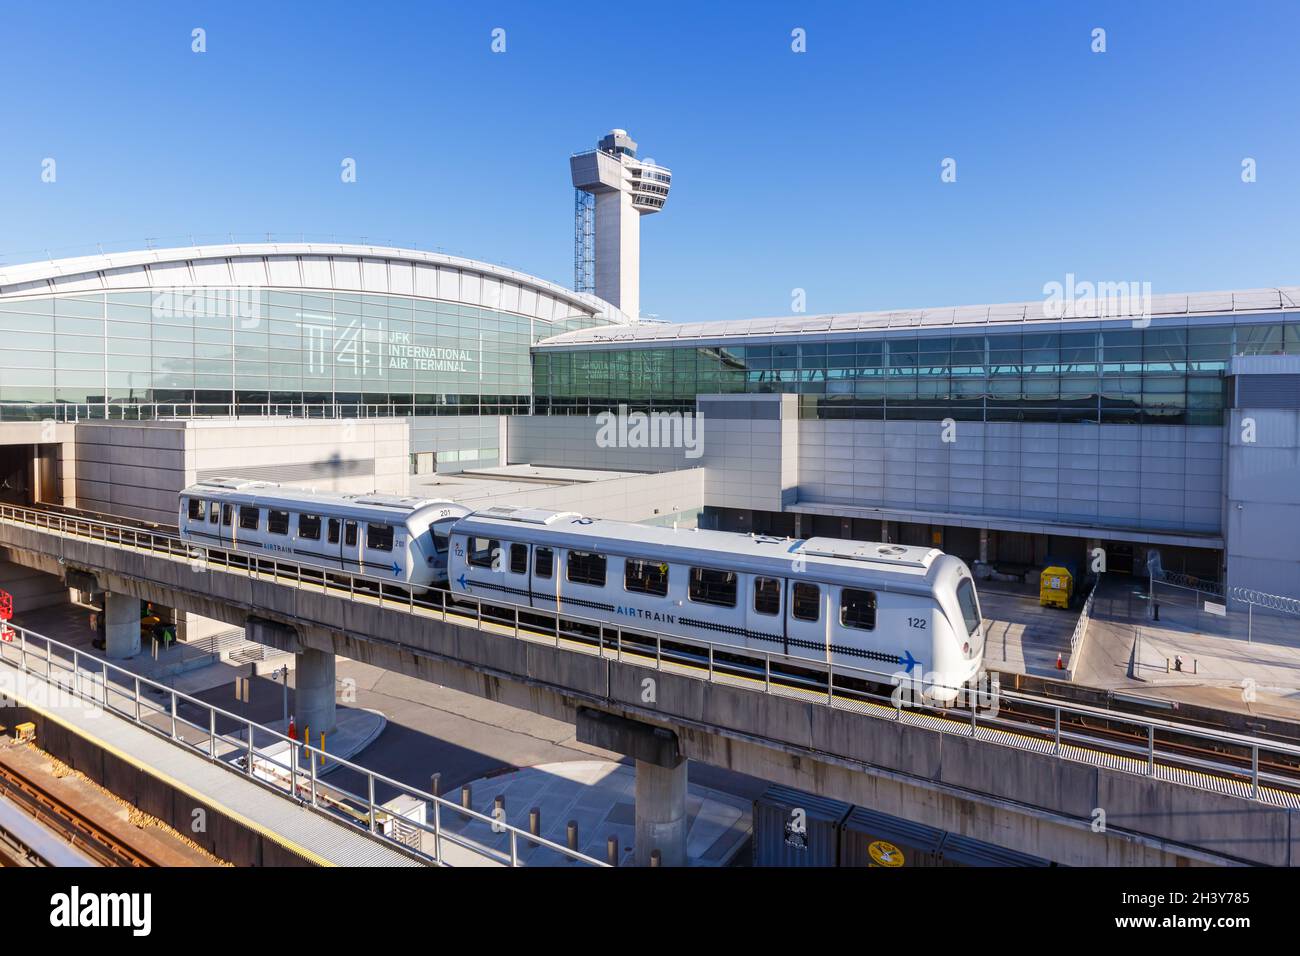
(885,854)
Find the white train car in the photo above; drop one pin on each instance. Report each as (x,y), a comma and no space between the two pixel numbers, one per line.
(403,539)
(876,607)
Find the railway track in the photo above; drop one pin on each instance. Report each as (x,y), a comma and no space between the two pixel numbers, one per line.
(62,819)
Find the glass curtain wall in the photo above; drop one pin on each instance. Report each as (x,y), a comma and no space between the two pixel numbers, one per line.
(1125,375)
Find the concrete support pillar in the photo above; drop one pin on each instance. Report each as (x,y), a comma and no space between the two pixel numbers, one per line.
(314,697)
(984,545)
(121,625)
(798,525)
(884,531)
(661,813)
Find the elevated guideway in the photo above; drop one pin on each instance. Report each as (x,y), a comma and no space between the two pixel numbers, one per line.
(1072,784)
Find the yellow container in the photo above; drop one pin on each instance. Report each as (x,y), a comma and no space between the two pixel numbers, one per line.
(1055,587)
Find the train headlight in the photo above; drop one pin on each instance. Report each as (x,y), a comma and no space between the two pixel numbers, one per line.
(965,648)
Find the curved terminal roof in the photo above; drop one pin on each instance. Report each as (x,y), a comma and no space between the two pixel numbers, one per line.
(1012,315)
(335,267)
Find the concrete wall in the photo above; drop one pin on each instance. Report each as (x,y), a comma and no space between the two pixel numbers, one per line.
(136,469)
(751,450)
(460,441)
(570,441)
(1263,500)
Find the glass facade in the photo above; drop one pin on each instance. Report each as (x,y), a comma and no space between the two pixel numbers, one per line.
(119,353)
(1166,375)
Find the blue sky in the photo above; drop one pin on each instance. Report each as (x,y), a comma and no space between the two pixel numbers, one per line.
(818,171)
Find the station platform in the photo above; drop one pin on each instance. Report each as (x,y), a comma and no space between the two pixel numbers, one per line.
(309,835)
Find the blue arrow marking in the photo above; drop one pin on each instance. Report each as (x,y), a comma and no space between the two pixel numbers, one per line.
(909,661)
(397,569)
(463,583)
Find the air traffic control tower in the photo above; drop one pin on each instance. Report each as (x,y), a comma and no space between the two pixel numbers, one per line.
(614,190)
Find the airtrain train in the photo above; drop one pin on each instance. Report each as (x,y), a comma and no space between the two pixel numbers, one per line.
(402,539)
(880,608)
(877,607)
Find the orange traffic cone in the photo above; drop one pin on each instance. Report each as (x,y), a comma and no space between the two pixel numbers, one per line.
(1060,664)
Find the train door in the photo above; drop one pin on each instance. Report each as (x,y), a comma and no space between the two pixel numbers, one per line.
(805,619)
(545,579)
(350,549)
(765,613)
(517,575)
(227,524)
(333,551)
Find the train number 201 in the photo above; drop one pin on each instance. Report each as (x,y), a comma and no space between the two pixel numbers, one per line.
(917,622)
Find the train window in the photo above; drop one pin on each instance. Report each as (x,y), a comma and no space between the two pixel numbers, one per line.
(645,577)
(309,527)
(214,512)
(226,512)
(970,609)
(277,522)
(350,534)
(333,531)
(196,509)
(379,537)
(543,562)
(587,567)
(858,609)
(248,518)
(767,595)
(483,552)
(806,602)
(712,586)
(519,559)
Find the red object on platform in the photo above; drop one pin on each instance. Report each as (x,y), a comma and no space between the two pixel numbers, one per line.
(6,612)
(1060,664)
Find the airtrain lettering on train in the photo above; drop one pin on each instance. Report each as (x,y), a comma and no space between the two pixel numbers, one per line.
(657,617)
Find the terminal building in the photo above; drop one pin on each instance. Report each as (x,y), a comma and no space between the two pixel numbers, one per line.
(999,433)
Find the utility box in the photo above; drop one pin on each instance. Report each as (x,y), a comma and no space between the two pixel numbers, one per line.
(1056,586)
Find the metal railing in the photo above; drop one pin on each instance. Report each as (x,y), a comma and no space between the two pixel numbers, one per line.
(73,412)
(282,764)
(1080,633)
(1008,718)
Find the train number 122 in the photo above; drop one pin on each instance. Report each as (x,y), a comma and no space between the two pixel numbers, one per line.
(917,622)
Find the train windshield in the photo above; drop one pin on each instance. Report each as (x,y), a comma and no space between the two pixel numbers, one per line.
(441,535)
(970,609)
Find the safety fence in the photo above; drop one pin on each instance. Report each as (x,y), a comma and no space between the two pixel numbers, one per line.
(1223,762)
